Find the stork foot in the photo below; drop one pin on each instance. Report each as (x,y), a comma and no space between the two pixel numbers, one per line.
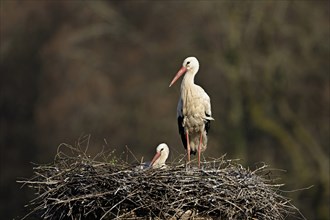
(187,166)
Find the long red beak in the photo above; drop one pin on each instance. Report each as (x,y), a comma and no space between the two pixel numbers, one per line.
(179,73)
(157,155)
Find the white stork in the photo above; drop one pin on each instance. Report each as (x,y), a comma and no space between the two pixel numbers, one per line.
(162,152)
(193,111)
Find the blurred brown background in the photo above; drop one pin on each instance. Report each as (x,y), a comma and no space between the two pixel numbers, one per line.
(103,68)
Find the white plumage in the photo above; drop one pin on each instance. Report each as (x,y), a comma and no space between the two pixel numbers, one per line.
(162,152)
(194,109)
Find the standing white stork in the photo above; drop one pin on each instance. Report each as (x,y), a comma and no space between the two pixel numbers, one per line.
(162,152)
(194,110)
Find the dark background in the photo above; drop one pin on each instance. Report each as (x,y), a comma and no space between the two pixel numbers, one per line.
(103,68)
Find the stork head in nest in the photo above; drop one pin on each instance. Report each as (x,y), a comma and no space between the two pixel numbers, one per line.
(162,152)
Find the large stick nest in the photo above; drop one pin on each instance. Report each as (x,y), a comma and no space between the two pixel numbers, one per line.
(77,186)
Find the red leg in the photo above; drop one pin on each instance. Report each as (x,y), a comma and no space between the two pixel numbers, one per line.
(199,150)
(188,146)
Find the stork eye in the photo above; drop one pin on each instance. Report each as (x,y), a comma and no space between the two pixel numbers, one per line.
(162,149)
(188,62)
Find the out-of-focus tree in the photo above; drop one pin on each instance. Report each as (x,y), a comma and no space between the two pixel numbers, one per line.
(103,68)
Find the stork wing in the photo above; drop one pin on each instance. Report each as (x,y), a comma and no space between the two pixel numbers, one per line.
(179,112)
(180,121)
(207,106)
(206,102)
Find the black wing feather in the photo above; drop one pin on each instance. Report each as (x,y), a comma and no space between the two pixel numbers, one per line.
(182,132)
(207,124)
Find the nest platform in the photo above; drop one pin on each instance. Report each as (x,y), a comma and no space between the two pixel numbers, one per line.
(77,186)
